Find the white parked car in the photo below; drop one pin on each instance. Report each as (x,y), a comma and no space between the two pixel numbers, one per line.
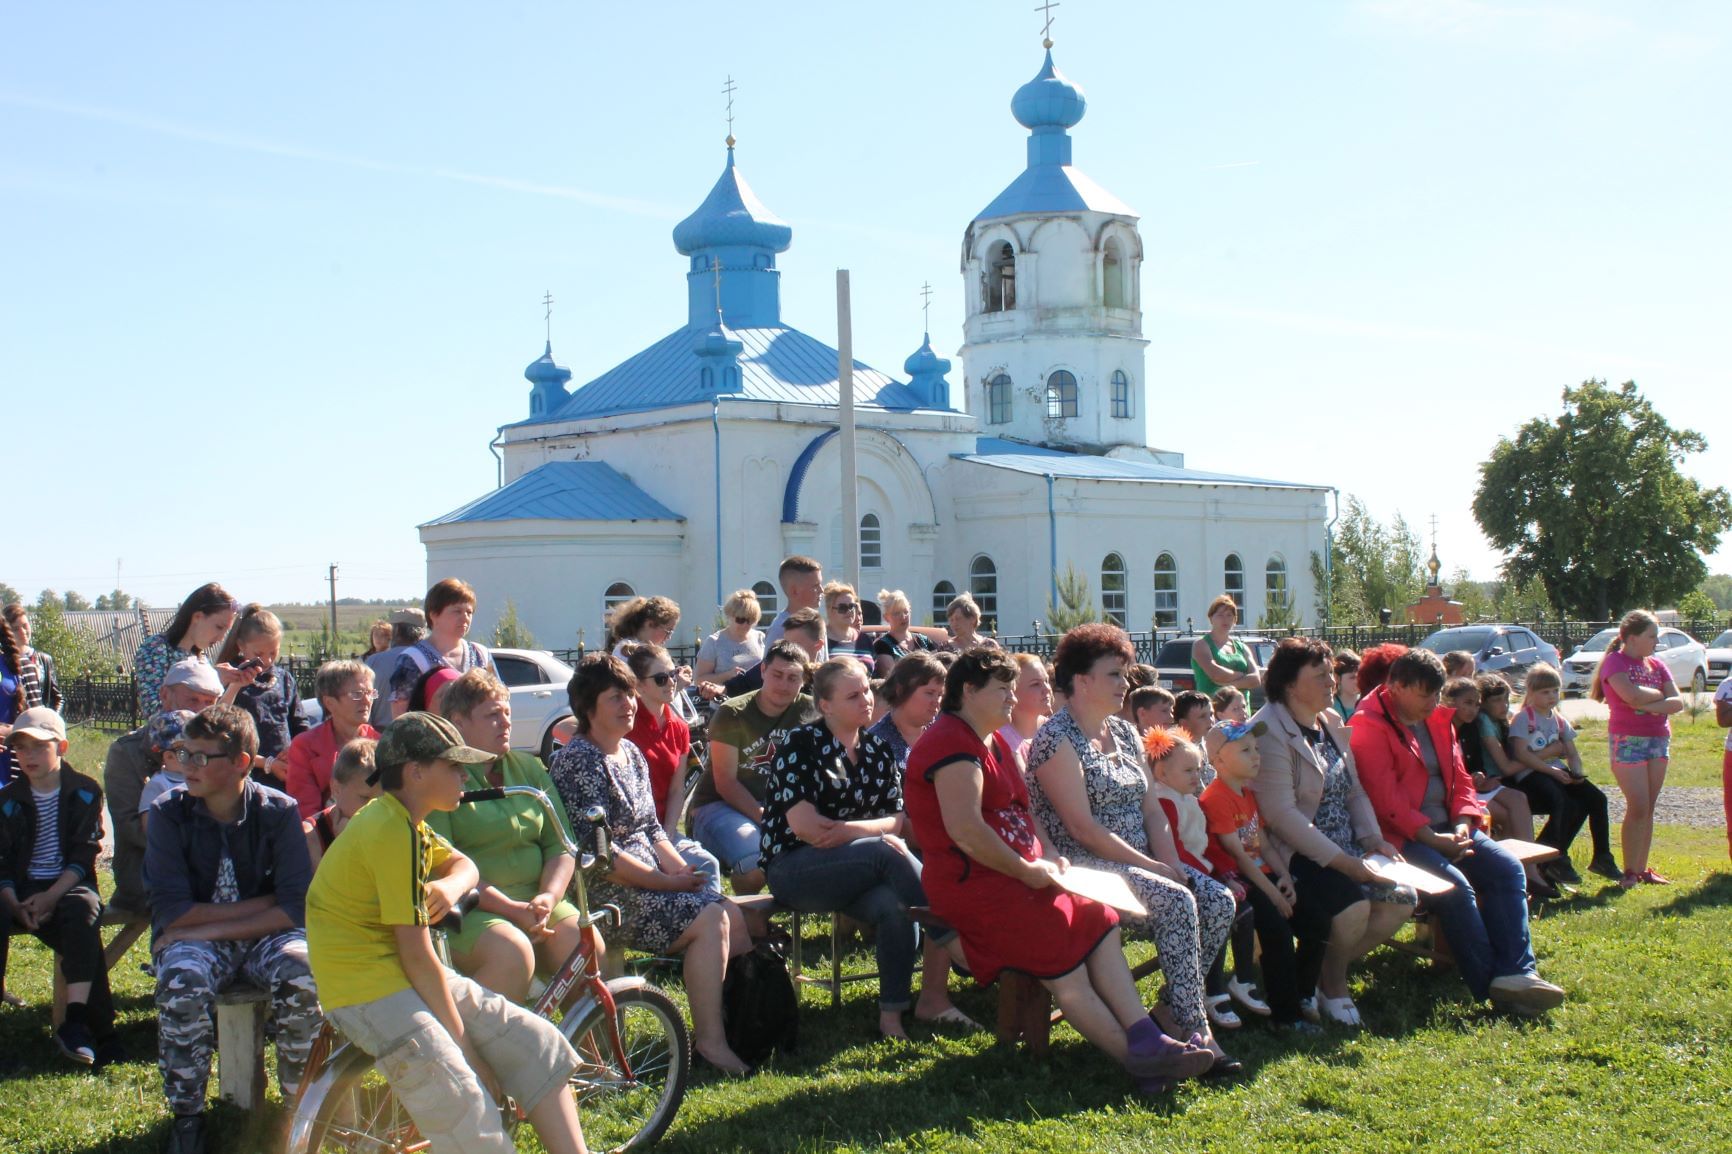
(1720,658)
(1685,656)
(537,680)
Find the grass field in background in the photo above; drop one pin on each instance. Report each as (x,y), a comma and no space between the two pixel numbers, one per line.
(1639,1058)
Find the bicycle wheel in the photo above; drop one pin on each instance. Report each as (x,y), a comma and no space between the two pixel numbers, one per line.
(621,1112)
(358,1114)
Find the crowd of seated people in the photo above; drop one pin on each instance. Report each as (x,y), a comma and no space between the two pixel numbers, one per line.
(937,794)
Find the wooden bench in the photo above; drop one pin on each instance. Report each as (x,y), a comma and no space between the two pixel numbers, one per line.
(240,1024)
(1428,940)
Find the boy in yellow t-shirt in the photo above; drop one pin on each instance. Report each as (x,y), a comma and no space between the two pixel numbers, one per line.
(446,1045)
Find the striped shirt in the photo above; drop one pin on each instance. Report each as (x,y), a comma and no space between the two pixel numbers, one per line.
(45,859)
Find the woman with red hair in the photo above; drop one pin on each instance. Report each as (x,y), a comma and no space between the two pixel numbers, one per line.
(1374,665)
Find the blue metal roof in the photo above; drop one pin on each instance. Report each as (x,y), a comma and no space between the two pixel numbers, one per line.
(1047,106)
(732,216)
(778,364)
(564,491)
(1041,461)
(1054,188)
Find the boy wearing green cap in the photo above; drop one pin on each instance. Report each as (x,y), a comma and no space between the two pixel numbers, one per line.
(446,1045)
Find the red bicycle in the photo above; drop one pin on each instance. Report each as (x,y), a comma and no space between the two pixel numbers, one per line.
(630,1036)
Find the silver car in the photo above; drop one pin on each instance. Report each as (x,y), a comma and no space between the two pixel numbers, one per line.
(1686,657)
(1720,658)
(537,680)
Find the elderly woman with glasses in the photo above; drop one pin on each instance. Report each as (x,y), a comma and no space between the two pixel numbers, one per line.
(732,649)
(345,690)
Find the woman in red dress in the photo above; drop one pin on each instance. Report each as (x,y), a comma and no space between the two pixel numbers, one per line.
(985,876)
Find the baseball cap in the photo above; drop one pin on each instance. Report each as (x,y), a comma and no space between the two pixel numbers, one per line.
(195,672)
(1227,732)
(166,727)
(423,737)
(42,723)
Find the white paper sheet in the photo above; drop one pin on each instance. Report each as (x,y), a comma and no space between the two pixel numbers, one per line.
(1103,886)
(1407,874)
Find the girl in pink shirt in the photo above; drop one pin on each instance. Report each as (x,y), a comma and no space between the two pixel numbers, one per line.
(1638,691)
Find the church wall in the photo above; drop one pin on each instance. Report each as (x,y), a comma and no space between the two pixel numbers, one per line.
(555,572)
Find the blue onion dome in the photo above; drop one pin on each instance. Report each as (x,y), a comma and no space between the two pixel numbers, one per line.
(731,216)
(924,362)
(543,370)
(1049,100)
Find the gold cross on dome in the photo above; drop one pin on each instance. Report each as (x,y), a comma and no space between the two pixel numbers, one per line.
(547,302)
(728,90)
(1046,29)
(926,306)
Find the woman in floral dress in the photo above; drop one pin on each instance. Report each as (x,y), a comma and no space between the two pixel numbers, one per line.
(667,904)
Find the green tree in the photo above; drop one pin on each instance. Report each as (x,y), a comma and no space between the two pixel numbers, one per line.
(1476,602)
(1593,506)
(46,598)
(114,600)
(1373,567)
(9,595)
(1717,588)
(1076,606)
(1697,606)
(511,632)
(75,654)
(74,600)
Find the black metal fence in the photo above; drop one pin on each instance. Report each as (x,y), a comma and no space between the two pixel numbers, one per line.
(112,702)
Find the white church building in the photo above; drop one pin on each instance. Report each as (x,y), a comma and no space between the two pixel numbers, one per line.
(691,468)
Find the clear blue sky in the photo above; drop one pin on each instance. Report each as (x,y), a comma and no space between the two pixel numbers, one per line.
(272,271)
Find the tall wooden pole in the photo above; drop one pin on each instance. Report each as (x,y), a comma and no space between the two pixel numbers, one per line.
(845,386)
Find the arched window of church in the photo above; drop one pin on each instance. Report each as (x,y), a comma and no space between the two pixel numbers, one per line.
(1121,394)
(707,379)
(1166,592)
(998,400)
(871,542)
(1233,579)
(1275,602)
(617,594)
(1113,276)
(1060,394)
(1001,280)
(983,587)
(768,602)
(1113,604)
(942,595)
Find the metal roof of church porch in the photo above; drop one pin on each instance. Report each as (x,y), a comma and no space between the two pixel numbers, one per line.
(1041,461)
(564,491)
(778,365)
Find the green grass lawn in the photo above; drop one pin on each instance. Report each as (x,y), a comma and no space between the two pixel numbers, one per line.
(1638,1059)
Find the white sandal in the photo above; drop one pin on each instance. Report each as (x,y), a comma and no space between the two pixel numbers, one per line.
(1219,1015)
(1341,1011)
(1247,997)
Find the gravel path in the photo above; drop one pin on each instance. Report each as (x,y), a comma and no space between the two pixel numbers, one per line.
(1698,806)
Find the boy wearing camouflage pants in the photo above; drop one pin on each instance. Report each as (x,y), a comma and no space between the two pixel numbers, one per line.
(226,870)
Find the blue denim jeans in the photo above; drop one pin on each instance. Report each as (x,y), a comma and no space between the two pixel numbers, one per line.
(701,860)
(728,834)
(1485,917)
(869,880)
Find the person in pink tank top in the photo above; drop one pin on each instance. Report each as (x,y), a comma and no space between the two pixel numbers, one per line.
(1639,692)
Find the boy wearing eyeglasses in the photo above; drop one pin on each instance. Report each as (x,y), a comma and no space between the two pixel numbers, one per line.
(50,832)
(227,873)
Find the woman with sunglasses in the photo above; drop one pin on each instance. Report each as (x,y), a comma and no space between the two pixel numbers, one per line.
(842,617)
(732,649)
(659,733)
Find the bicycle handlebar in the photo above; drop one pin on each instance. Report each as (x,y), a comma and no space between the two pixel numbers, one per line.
(594,815)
